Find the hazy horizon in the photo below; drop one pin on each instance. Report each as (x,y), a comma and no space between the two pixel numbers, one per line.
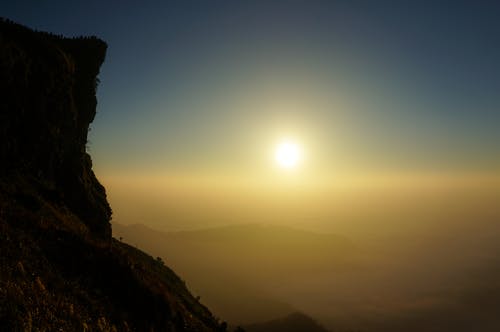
(347,205)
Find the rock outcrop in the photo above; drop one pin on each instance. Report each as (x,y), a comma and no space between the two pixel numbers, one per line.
(60,269)
(48,101)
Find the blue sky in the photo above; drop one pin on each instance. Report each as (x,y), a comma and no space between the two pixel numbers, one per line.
(208,86)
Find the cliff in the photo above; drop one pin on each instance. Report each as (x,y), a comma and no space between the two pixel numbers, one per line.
(60,269)
(47,104)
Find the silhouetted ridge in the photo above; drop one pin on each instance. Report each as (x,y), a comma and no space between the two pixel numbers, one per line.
(48,102)
(60,269)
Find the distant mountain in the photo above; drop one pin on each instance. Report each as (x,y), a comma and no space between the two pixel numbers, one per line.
(295,322)
(238,270)
(261,250)
(279,247)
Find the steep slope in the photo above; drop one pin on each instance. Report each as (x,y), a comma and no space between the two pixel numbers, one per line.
(60,269)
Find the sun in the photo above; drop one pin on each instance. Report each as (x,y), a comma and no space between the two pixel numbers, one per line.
(288,154)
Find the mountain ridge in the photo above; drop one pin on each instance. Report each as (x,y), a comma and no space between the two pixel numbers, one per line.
(60,269)
(294,322)
(241,271)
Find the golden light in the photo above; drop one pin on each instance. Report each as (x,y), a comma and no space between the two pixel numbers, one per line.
(288,154)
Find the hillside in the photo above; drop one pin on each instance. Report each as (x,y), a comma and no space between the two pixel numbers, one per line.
(60,269)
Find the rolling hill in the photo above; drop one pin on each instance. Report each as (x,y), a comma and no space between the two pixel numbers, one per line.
(295,322)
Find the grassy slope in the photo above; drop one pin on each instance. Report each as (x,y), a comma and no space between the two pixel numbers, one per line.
(55,275)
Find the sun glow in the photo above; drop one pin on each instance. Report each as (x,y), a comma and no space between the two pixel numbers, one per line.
(288,154)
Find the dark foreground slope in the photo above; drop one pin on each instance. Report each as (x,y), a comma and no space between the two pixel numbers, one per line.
(59,267)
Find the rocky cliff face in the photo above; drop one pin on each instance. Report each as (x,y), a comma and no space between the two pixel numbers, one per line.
(48,101)
(60,269)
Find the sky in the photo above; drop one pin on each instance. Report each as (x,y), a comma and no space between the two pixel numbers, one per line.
(195,95)
(198,86)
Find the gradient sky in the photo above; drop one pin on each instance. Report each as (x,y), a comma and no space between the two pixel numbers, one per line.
(210,86)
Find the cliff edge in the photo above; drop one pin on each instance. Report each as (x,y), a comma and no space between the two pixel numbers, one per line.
(48,101)
(60,269)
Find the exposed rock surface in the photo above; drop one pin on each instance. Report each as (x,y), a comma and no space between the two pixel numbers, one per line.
(60,269)
(47,104)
